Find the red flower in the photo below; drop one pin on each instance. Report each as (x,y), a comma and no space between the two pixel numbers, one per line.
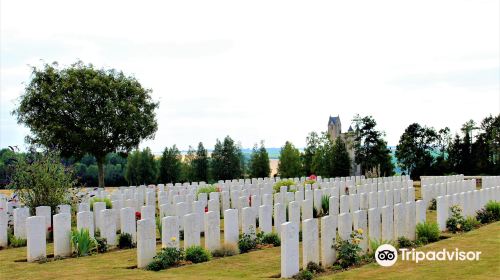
(250,200)
(206,209)
(312,177)
(137,215)
(49,229)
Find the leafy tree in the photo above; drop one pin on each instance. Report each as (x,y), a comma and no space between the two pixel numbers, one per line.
(259,162)
(226,160)
(414,151)
(186,174)
(312,143)
(322,163)
(289,161)
(132,172)
(341,159)
(170,165)
(81,109)
(200,164)
(42,180)
(148,167)
(370,148)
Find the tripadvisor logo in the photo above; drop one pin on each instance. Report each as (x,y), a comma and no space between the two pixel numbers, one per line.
(387,255)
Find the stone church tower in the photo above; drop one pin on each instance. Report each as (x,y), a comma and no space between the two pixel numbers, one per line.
(335,130)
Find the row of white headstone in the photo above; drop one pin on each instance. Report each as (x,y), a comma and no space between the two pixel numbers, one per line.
(469,202)
(431,191)
(490,181)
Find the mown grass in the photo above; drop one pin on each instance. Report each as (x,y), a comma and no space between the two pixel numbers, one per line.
(120,264)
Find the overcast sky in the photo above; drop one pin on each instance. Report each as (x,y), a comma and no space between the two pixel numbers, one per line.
(271,70)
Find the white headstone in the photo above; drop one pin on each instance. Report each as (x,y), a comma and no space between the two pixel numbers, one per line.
(279,216)
(62,233)
(212,231)
(328,237)
(344,225)
(127,222)
(248,221)
(36,228)
(4,220)
(191,231)
(45,212)
(231,232)
(20,216)
(85,220)
(387,223)
(374,224)
(108,230)
(289,249)
(146,242)
(170,232)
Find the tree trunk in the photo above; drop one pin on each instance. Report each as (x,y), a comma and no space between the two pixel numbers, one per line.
(100,167)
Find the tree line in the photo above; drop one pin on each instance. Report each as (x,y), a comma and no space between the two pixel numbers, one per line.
(474,150)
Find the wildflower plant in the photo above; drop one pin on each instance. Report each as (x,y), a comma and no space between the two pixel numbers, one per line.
(348,251)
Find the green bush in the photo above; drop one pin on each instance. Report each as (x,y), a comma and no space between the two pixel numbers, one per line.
(206,189)
(105,200)
(158,225)
(83,244)
(494,208)
(484,216)
(304,275)
(15,242)
(325,205)
(40,179)
(456,221)
(281,183)
(314,267)
(374,244)
(428,232)
(125,241)
(247,242)
(270,238)
(166,258)
(226,250)
(404,242)
(102,244)
(471,223)
(348,250)
(197,254)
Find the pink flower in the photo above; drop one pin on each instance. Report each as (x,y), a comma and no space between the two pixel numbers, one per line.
(312,177)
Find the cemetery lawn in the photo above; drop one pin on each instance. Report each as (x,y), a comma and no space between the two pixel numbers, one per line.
(261,264)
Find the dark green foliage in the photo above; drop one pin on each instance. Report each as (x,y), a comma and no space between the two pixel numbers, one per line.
(226,160)
(325,205)
(81,109)
(289,162)
(471,223)
(170,165)
(304,275)
(270,238)
(371,150)
(15,242)
(197,254)
(348,251)
(125,241)
(41,180)
(404,242)
(141,168)
(494,208)
(427,232)
(414,151)
(312,144)
(102,244)
(314,268)
(200,165)
(277,186)
(247,242)
(331,158)
(166,258)
(259,162)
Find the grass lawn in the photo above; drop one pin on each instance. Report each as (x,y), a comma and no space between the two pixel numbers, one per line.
(261,264)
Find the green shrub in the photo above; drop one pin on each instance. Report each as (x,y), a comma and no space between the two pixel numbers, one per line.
(196,254)
(105,200)
(102,244)
(433,205)
(158,225)
(304,275)
(83,244)
(281,183)
(494,208)
(270,238)
(470,223)
(226,250)
(206,189)
(374,244)
(348,250)
(16,242)
(166,258)
(484,216)
(404,242)
(428,232)
(125,241)
(314,267)
(456,221)
(247,242)
(40,179)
